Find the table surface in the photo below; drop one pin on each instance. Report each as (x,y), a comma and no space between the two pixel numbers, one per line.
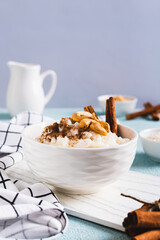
(79,229)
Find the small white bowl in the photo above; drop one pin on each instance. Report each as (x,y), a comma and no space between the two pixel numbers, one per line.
(78,170)
(122,108)
(150,147)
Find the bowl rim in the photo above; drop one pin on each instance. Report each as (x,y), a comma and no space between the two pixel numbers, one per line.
(102,98)
(80,149)
(149,130)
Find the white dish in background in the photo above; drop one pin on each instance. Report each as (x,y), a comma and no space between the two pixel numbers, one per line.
(150,147)
(78,170)
(122,108)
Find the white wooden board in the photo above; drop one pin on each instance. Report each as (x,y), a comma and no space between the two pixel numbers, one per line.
(107,207)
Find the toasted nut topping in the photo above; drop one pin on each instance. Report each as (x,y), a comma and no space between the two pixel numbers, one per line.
(105,125)
(78,116)
(97,128)
(84,123)
(88,120)
(94,126)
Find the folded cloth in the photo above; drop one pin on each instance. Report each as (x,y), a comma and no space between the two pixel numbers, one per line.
(10,137)
(26,211)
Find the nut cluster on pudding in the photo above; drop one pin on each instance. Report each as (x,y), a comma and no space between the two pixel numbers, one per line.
(82,130)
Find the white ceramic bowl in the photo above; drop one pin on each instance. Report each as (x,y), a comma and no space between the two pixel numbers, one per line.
(122,108)
(151,147)
(78,170)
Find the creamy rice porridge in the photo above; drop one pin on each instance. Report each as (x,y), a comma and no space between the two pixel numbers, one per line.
(83,130)
(154,136)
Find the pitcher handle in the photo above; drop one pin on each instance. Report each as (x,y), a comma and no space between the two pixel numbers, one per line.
(53,84)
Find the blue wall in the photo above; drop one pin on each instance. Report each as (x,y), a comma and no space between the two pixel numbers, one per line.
(95,46)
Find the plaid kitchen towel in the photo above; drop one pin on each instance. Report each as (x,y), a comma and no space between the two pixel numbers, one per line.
(26,212)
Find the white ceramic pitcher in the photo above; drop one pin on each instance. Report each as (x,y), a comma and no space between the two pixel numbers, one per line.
(25,90)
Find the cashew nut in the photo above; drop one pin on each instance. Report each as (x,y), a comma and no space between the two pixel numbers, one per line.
(105,125)
(97,128)
(78,116)
(84,123)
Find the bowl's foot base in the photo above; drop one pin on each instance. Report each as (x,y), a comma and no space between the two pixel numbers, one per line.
(76,191)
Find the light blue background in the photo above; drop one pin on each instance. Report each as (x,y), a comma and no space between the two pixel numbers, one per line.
(95,46)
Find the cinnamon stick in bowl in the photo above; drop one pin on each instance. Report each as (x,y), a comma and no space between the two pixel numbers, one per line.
(143,112)
(111,114)
(90,109)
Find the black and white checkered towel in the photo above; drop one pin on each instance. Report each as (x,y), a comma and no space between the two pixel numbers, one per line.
(26,212)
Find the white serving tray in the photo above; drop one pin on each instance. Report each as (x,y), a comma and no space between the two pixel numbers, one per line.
(107,207)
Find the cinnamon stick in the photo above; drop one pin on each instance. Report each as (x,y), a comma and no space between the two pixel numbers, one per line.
(107,111)
(143,223)
(90,109)
(150,235)
(133,231)
(127,222)
(155,115)
(143,112)
(144,219)
(111,114)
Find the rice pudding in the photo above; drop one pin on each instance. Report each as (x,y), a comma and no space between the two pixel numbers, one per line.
(154,136)
(82,130)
